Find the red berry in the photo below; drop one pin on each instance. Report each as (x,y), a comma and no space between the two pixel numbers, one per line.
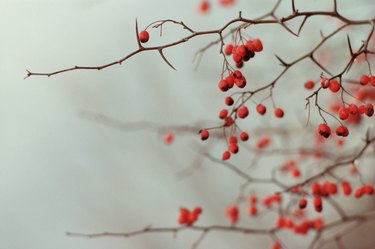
(183,216)
(197,210)
(240,82)
(330,188)
(250,45)
(346,188)
(230,81)
(342,131)
(359,192)
(334,86)
(372,80)
(340,142)
(237,74)
(239,64)
(223,85)
(241,50)
(261,109)
(232,213)
(232,140)
(318,205)
(368,189)
(203,6)
(223,113)
(364,80)
(362,109)
(353,109)
(242,112)
(309,84)
(343,113)
(143,36)
(228,49)
(252,210)
(204,134)
(369,109)
(262,142)
(249,54)
(276,245)
(228,121)
(257,45)
(192,217)
(229,101)
(280,222)
(302,203)
(226,2)
(279,113)
(233,148)
(315,188)
(295,172)
(168,138)
(225,155)
(244,136)
(236,57)
(324,130)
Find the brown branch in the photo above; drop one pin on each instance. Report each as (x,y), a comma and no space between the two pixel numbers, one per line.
(219,31)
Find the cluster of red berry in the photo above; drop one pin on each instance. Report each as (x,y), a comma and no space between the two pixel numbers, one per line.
(262,142)
(232,213)
(244,52)
(291,167)
(365,189)
(234,78)
(349,112)
(188,217)
(302,227)
(365,79)
(345,113)
(204,5)
(252,210)
(328,188)
(332,84)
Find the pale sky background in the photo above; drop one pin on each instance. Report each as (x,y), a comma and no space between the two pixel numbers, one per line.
(60,172)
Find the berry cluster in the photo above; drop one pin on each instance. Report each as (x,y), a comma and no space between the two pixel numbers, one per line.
(302,227)
(291,167)
(232,213)
(252,210)
(188,217)
(238,109)
(332,84)
(365,189)
(204,5)
(234,78)
(328,188)
(262,142)
(346,113)
(244,52)
(366,79)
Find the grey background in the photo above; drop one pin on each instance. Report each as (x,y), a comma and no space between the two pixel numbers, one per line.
(60,172)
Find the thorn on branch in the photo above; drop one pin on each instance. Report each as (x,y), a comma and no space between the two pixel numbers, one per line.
(350,46)
(322,35)
(165,59)
(302,24)
(136,33)
(283,63)
(28,74)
